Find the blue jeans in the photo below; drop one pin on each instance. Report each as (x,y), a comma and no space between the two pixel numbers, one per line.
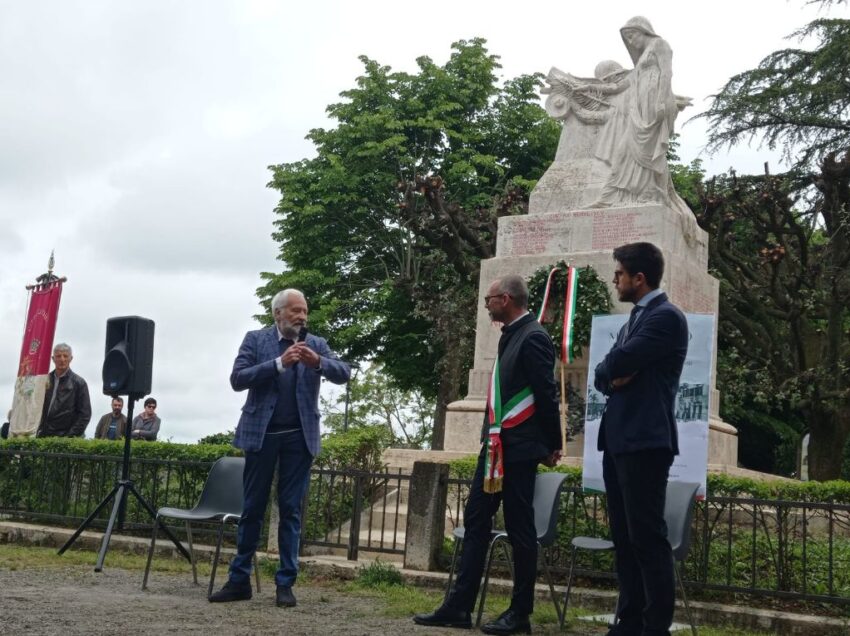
(289,453)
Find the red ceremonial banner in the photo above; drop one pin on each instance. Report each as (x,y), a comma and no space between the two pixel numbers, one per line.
(37,346)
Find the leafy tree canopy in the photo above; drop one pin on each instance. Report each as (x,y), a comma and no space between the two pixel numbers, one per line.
(796,100)
(385,227)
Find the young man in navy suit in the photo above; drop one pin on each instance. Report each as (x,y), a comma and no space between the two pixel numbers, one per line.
(281,366)
(640,376)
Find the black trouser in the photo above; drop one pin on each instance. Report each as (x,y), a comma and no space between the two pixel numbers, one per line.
(518,495)
(636,487)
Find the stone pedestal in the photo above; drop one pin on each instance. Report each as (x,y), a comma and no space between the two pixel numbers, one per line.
(585,237)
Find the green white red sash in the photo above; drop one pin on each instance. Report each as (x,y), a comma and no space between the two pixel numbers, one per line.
(517,410)
(569,310)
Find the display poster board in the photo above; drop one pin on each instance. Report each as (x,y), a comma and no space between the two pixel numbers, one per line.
(692,401)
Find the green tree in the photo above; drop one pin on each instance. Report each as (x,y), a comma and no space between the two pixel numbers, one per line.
(373,400)
(779,244)
(385,227)
(796,100)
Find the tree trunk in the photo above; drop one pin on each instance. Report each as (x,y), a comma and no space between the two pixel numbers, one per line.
(829,434)
(438,436)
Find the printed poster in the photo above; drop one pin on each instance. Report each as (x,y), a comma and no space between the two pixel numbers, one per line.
(692,401)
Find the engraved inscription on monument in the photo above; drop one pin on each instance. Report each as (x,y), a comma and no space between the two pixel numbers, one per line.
(612,228)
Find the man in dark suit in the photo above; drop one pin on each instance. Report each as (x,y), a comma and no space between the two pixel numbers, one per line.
(640,376)
(519,432)
(279,427)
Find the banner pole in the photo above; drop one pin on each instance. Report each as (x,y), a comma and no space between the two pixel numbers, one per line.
(564,421)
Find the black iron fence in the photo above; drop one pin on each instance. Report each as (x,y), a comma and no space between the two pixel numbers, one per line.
(63,488)
(771,548)
(348,511)
(785,549)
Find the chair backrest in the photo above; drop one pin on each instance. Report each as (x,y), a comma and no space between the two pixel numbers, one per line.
(547,501)
(223,489)
(678,513)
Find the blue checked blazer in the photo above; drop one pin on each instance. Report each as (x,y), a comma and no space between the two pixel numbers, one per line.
(255,369)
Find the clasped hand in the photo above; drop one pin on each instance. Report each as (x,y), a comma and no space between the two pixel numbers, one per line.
(617,383)
(300,352)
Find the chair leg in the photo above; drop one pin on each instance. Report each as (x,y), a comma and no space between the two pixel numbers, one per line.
(215,558)
(257,571)
(452,570)
(509,558)
(684,597)
(558,610)
(483,594)
(192,552)
(150,553)
(569,587)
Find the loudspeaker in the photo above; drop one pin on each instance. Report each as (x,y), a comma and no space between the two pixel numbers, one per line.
(128,363)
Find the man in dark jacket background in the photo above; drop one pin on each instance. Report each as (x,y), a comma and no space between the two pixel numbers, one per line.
(67,409)
(112,425)
(529,433)
(638,437)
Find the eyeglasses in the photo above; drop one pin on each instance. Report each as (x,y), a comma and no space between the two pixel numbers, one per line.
(488,298)
(150,406)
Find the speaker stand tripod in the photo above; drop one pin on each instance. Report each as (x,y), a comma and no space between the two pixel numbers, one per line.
(120,492)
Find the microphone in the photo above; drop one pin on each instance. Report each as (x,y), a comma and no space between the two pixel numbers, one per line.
(302,334)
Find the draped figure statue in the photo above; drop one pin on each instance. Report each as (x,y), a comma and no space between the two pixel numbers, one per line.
(634,111)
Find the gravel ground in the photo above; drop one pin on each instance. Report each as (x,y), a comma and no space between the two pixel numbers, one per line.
(76,600)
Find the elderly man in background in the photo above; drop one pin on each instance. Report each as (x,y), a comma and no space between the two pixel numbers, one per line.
(282,367)
(67,409)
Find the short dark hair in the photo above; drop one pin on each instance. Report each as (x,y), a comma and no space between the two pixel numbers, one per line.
(515,287)
(644,258)
(150,401)
(119,398)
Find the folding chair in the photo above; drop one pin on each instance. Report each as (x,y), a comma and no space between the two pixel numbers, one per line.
(220,502)
(678,514)
(547,503)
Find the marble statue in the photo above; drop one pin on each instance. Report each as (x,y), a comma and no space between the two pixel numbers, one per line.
(635,110)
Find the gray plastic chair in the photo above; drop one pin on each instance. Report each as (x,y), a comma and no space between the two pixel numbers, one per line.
(220,502)
(547,503)
(458,534)
(678,514)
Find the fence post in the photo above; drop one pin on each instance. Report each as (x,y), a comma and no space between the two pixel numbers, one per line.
(426,515)
(354,527)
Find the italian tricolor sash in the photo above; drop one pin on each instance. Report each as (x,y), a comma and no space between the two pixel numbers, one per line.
(516,411)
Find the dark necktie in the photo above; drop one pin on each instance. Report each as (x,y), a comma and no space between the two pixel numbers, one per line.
(624,333)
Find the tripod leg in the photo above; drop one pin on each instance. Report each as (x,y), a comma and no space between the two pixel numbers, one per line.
(162,525)
(88,520)
(116,506)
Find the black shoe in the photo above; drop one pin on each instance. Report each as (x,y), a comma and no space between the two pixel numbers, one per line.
(284,596)
(508,623)
(445,617)
(231,592)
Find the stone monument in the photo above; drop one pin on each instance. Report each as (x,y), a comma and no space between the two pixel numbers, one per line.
(608,185)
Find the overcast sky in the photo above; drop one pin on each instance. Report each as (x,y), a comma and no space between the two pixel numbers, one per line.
(135,138)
